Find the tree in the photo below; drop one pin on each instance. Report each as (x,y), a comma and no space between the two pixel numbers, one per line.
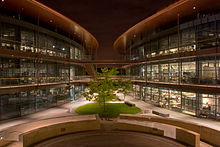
(105,86)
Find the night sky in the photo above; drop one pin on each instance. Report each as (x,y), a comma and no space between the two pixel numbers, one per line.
(107,19)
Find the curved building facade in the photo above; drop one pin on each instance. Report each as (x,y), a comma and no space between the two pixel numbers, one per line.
(175,56)
(41,53)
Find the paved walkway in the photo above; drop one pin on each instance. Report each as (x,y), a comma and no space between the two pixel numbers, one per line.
(63,110)
(177,115)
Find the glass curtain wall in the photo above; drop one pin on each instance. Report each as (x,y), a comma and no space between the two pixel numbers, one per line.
(192,103)
(198,34)
(205,71)
(27,102)
(24,39)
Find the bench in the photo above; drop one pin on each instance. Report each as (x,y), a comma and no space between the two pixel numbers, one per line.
(129,103)
(160,114)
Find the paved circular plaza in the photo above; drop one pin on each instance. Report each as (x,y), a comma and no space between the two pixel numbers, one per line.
(110,139)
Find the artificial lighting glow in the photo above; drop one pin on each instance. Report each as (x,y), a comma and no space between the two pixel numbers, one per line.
(51,20)
(3,0)
(53,46)
(63,49)
(194,8)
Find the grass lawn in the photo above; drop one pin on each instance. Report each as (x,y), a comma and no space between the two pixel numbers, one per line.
(112,109)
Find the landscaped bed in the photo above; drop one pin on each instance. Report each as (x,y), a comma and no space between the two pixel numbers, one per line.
(112,109)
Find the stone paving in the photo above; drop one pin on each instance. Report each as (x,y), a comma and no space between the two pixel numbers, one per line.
(177,115)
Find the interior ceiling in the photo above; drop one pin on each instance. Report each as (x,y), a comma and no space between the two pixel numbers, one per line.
(107,19)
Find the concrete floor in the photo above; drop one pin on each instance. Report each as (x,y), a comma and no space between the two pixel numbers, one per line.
(110,139)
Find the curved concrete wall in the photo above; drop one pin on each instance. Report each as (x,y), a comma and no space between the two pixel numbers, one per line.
(207,134)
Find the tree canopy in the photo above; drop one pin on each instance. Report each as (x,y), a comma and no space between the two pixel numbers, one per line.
(106,86)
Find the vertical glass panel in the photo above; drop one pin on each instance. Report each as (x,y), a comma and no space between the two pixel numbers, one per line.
(10,106)
(164,98)
(163,46)
(148,94)
(42,71)
(9,37)
(207,105)
(142,72)
(154,48)
(155,73)
(52,72)
(27,102)
(175,100)
(174,73)
(189,102)
(164,73)
(149,72)
(188,40)
(188,72)
(27,40)
(147,50)
(155,96)
(173,43)
(43,43)
(218,107)
(71,52)
(206,35)
(207,72)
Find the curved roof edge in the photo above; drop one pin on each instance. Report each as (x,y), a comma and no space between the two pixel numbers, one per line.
(169,14)
(37,10)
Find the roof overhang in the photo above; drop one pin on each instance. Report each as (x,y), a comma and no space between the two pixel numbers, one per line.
(181,9)
(38,11)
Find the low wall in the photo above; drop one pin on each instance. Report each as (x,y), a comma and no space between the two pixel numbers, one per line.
(44,133)
(139,128)
(185,136)
(5,142)
(207,134)
(188,137)
(28,134)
